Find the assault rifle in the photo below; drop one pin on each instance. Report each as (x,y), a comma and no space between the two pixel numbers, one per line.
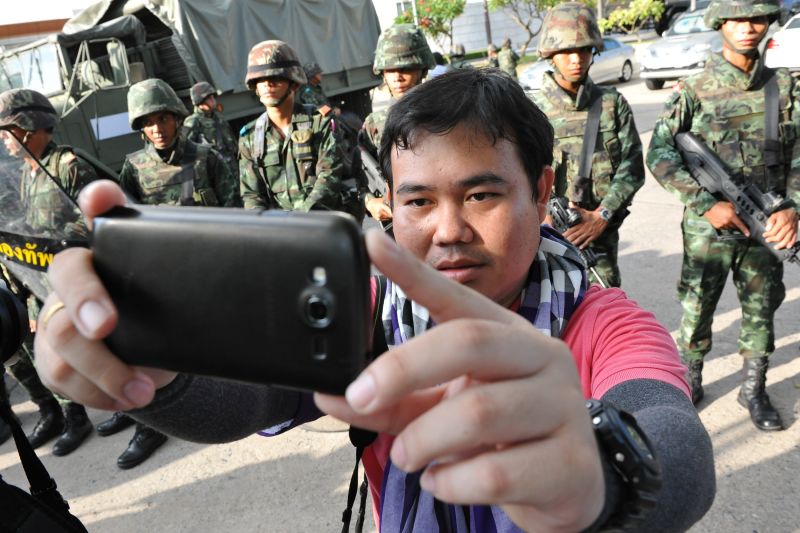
(375,182)
(753,206)
(564,217)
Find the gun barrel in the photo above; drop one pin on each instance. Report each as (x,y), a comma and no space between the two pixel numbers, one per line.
(374,178)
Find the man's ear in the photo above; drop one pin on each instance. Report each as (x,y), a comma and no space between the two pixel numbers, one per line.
(544,187)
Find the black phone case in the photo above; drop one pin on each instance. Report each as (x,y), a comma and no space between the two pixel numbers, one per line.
(238,294)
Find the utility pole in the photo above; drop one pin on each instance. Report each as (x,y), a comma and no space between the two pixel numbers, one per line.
(414,11)
(600,13)
(487,22)
(692,5)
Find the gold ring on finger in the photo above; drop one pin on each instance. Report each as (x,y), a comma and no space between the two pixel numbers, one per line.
(52,310)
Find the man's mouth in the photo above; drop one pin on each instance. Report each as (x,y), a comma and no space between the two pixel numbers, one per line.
(461,271)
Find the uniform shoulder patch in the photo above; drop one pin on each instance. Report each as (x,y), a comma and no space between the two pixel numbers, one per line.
(247,128)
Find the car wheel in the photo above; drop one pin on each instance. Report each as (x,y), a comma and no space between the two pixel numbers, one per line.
(627,72)
(654,84)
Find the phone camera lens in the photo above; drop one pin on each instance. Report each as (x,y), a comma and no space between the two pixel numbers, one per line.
(318,312)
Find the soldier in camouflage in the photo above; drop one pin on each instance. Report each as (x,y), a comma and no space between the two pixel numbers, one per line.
(171,170)
(458,57)
(206,125)
(725,105)
(403,58)
(288,158)
(28,118)
(311,92)
(507,59)
(491,57)
(570,37)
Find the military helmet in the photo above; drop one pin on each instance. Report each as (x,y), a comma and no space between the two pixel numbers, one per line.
(200,91)
(26,109)
(152,96)
(312,69)
(402,46)
(273,58)
(718,12)
(568,26)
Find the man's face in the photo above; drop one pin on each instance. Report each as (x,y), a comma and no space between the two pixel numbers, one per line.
(743,35)
(466,208)
(161,129)
(273,91)
(401,80)
(209,104)
(573,65)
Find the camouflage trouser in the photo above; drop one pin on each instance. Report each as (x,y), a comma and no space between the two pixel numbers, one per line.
(757,276)
(25,373)
(606,248)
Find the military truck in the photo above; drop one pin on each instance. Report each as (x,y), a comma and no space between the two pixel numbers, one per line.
(87,68)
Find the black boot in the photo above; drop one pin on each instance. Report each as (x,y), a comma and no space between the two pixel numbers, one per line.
(50,424)
(754,396)
(115,424)
(695,377)
(144,442)
(76,429)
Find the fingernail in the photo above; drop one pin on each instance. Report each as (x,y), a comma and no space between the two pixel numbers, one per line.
(361,392)
(92,315)
(138,392)
(427,482)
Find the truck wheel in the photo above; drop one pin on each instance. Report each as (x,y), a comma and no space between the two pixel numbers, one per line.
(627,72)
(654,84)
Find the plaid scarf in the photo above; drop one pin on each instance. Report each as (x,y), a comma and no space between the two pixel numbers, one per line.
(557,282)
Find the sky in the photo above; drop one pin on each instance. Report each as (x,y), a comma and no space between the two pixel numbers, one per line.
(34,10)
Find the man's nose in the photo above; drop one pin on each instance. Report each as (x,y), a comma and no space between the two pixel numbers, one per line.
(451,225)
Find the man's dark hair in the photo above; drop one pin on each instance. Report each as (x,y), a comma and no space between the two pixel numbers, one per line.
(487,100)
(438,58)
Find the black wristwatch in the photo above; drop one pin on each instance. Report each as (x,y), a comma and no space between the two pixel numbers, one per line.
(631,455)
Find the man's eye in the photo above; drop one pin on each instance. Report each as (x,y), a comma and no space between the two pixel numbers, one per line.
(418,202)
(482,196)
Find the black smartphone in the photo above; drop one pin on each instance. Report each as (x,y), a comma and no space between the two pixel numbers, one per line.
(262,296)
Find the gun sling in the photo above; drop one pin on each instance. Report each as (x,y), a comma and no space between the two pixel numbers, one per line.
(773,151)
(582,185)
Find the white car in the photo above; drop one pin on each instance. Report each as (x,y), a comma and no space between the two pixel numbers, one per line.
(616,62)
(782,49)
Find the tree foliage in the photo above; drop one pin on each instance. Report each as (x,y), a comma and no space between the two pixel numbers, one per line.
(632,18)
(435,18)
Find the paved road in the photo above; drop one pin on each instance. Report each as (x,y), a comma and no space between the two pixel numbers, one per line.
(298,482)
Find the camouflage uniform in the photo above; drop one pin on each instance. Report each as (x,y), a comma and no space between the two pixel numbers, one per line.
(617,163)
(310,94)
(725,108)
(457,57)
(211,128)
(400,46)
(154,177)
(303,171)
(46,214)
(507,59)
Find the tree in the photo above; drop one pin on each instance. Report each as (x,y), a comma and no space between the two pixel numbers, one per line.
(529,14)
(435,19)
(631,19)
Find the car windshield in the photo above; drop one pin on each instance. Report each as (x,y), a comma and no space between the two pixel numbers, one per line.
(33,68)
(687,24)
(793,24)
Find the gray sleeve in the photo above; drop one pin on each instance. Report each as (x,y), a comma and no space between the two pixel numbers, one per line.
(682,446)
(201,409)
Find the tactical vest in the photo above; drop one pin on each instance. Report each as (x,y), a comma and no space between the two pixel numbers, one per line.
(732,123)
(184,183)
(44,203)
(569,126)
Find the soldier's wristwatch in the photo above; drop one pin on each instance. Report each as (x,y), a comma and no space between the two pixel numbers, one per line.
(605,214)
(631,455)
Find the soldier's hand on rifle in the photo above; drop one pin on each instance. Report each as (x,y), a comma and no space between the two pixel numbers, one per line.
(722,215)
(782,228)
(378,209)
(587,230)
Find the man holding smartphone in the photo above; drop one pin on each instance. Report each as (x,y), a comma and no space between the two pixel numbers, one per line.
(487,410)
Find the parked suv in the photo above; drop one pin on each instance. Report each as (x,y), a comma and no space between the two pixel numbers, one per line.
(682,50)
